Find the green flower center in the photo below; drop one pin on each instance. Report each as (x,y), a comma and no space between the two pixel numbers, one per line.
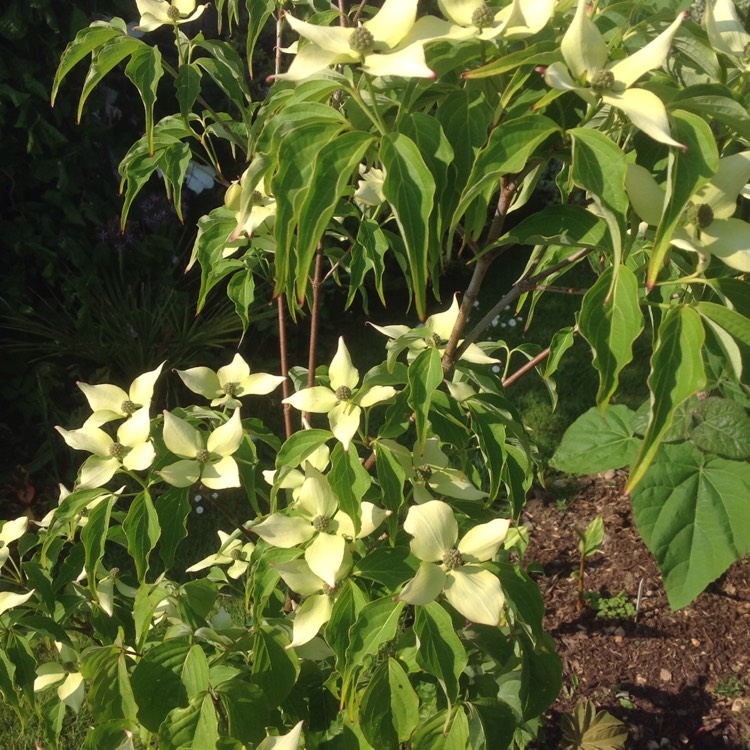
(173,13)
(118,450)
(202,456)
(361,41)
(256,199)
(236,554)
(231,388)
(129,407)
(424,472)
(320,523)
(746,52)
(436,339)
(482,17)
(701,215)
(343,393)
(114,572)
(602,80)
(453,559)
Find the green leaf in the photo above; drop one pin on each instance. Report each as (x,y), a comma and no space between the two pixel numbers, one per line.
(688,171)
(508,149)
(490,429)
(106,57)
(677,372)
(732,321)
(389,710)
(227,69)
(94,535)
(714,101)
(346,608)
(441,652)
(736,291)
(376,624)
(443,731)
(145,71)
(389,566)
(299,446)
(259,11)
(187,87)
(693,514)
(424,375)
(723,427)
(391,477)
(194,672)
(541,53)
(244,710)
(196,726)
(141,527)
(334,166)
(87,40)
(8,687)
(567,225)
(156,682)
(349,480)
(599,167)
(611,320)
(596,442)
(110,694)
(589,729)
(241,290)
(275,669)
(173,508)
(409,188)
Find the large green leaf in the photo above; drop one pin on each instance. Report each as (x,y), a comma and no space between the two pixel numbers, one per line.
(425,374)
(568,225)
(611,320)
(490,428)
(598,442)
(196,726)
(173,509)
(444,731)
(688,171)
(299,446)
(599,168)
(693,513)
(141,527)
(259,11)
(409,188)
(389,710)
(441,652)
(110,694)
(347,606)
(733,322)
(349,480)
(227,69)
(156,682)
(334,166)
(275,668)
(145,71)
(509,147)
(87,41)
(677,372)
(723,427)
(94,536)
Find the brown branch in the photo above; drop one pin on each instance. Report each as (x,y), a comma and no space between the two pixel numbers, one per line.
(355,20)
(530,365)
(286,390)
(314,319)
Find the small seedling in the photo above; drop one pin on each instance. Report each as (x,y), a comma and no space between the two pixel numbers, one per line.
(612,607)
(589,542)
(731,686)
(588,729)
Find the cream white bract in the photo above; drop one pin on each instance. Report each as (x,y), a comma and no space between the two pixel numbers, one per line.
(232,552)
(132,449)
(209,460)
(593,79)
(343,401)
(155,13)
(520,19)
(726,32)
(454,568)
(708,227)
(229,383)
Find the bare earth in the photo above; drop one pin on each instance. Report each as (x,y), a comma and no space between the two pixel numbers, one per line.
(676,679)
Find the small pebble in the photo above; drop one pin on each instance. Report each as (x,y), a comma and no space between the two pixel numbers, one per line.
(665,675)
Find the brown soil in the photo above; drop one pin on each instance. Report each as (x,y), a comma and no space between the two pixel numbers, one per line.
(675,679)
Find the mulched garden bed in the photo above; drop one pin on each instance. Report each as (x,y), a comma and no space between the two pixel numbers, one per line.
(675,679)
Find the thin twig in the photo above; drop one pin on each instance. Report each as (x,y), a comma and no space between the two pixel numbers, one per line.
(561,289)
(355,20)
(314,319)
(530,365)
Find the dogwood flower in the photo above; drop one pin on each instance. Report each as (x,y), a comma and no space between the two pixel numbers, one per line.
(283,741)
(593,79)
(454,568)
(253,208)
(708,227)
(520,19)
(319,519)
(209,460)
(232,552)
(70,692)
(376,45)
(132,448)
(9,600)
(438,330)
(155,13)
(429,471)
(342,402)
(109,402)
(726,32)
(315,611)
(10,532)
(228,383)
(293,479)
